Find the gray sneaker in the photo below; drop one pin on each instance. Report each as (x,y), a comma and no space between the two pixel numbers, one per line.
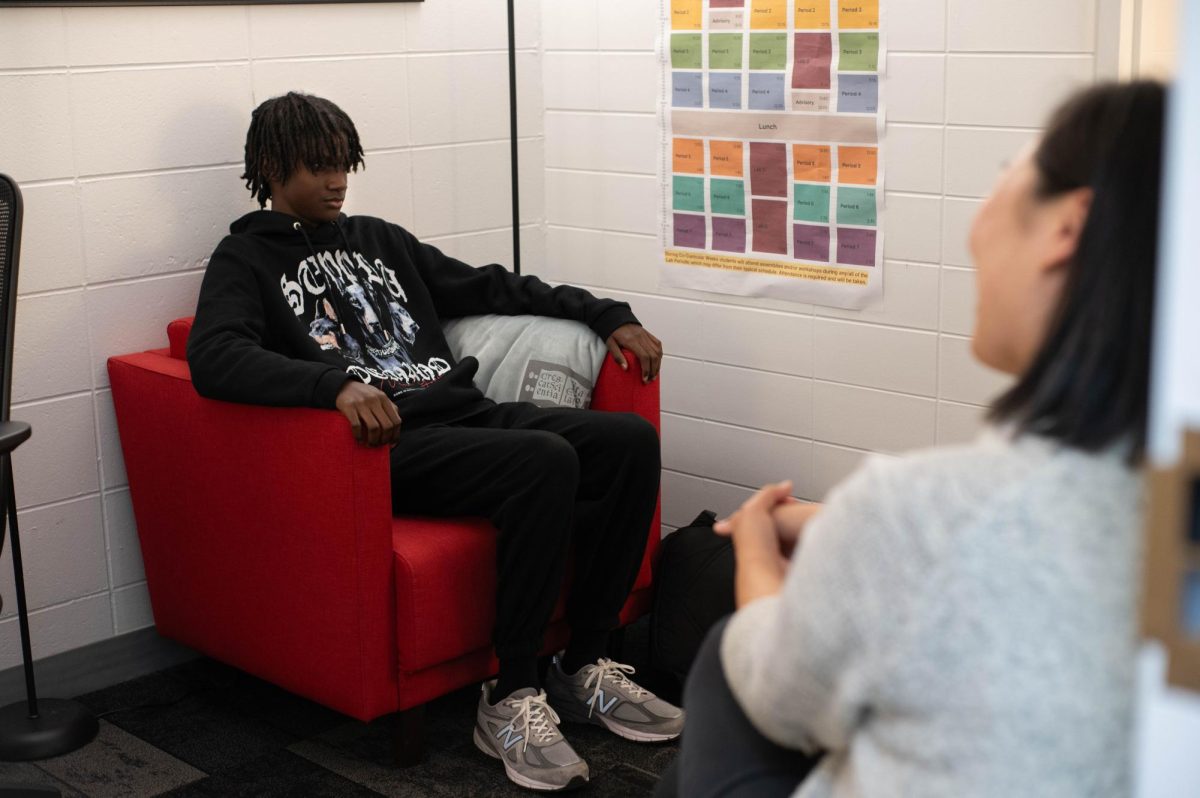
(521,732)
(603,695)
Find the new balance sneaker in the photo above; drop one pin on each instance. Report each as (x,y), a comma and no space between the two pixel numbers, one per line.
(522,732)
(604,695)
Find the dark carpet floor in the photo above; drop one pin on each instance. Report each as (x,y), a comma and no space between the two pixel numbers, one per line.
(205,729)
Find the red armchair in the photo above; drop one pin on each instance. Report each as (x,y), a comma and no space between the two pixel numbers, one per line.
(269,544)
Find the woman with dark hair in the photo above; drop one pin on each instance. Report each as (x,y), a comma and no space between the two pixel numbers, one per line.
(961,622)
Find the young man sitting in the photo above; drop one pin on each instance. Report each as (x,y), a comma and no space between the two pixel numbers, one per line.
(302,305)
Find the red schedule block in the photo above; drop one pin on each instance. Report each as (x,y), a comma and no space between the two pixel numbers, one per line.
(768,169)
(770,228)
(814,53)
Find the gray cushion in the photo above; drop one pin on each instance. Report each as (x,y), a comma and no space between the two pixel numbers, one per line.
(550,362)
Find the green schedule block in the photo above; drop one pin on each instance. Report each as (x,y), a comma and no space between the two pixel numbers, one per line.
(856,206)
(810,203)
(728,196)
(689,194)
(859,52)
(725,51)
(768,51)
(687,51)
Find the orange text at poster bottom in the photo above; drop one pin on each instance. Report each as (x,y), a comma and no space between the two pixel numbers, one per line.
(774,268)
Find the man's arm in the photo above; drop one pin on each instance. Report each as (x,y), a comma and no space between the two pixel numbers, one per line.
(226,353)
(462,290)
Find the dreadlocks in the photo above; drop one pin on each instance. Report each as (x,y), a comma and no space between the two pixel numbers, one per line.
(297,129)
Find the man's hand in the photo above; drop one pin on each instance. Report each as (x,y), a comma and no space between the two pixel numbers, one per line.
(636,339)
(372,414)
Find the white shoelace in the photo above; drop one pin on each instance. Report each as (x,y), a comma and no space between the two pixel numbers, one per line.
(615,673)
(534,716)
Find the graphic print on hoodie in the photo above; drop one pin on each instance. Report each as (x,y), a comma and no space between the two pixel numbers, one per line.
(358,309)
(288,313)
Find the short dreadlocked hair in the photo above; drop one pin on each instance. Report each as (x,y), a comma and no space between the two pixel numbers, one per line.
(297,129)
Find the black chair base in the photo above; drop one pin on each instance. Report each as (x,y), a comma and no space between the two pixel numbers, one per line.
(61,726)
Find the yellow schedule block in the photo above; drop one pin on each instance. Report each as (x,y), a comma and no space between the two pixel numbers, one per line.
(774,268)
(726,158)
(768,14)
(858,14)
(688,156)
(812,15)
(811,162)
(858,165)
(687,15)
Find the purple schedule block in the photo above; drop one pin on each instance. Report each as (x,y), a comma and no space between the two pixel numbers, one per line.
(858,94)
(810,242)
(856,247)
(729,235)
(727,3)
(689,231)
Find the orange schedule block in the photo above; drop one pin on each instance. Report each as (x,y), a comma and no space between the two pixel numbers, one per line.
(812,15)
(688,156)
(768,14)
(858,14)
(726,158)
(811,163)
(858,165)
(686,15)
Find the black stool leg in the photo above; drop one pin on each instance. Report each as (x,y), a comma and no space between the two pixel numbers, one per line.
(10,504)
(35,729)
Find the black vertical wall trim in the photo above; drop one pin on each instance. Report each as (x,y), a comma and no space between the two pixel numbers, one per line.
(512,134)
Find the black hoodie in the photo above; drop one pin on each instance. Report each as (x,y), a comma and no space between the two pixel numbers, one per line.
(288,313)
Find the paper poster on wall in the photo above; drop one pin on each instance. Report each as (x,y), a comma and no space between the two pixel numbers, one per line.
(771,170)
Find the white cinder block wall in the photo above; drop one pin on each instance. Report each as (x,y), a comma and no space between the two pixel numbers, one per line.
(125,129)
(758,390)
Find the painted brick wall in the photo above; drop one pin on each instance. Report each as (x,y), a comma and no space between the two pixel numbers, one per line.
(125,129)
(758,390)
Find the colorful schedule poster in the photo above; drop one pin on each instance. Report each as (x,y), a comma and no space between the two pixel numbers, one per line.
(772,170)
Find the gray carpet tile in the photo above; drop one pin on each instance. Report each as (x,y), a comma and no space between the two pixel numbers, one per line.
(206,729)
(119,765)
(203,733)
(29,774)
(279,774)
(454,767)
(254,698)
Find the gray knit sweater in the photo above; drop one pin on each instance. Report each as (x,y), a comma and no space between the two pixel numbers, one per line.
(957,623)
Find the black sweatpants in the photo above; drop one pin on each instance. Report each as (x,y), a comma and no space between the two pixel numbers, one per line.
(546,478)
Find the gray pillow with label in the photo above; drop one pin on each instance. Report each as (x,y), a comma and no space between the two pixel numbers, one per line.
(549,362)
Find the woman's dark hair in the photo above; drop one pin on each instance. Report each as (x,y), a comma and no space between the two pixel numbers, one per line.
(297,129)
(1088,385)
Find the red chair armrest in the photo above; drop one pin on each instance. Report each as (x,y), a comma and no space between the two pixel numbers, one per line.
(278,519)
(623,391)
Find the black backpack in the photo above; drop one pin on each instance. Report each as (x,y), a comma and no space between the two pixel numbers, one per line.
(694,590)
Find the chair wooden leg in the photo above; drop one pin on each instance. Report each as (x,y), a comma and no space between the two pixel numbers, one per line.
(408,737)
